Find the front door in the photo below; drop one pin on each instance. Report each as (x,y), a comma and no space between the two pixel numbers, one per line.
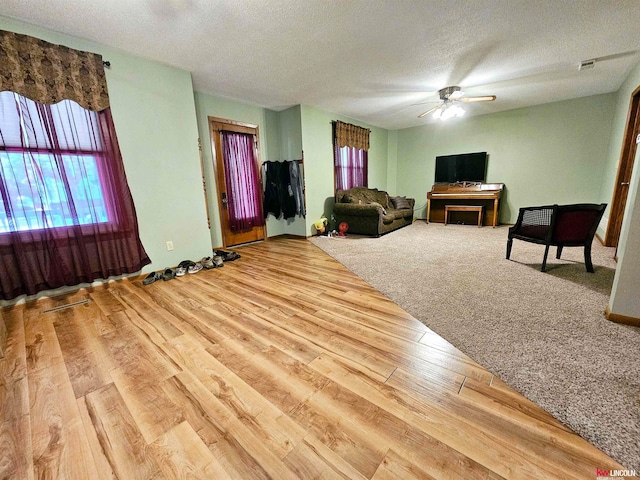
(625,169)
(236,162)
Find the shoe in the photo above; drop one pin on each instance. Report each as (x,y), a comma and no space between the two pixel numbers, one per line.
(186,263)
(227,256)
(168,274)
(207,262)
(183,266)
(218,261)
(195,268)
(152,277)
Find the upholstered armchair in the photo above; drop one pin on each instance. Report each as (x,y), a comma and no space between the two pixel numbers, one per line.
(560,226)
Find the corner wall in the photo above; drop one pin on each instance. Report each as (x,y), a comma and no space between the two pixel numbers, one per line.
(619,124)
(624,298)
(212,106)
(317,143)
(291,149)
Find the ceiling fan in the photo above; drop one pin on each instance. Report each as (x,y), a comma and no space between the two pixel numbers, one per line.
(449,107)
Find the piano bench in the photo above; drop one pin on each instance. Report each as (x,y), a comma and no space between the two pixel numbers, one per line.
(463,208)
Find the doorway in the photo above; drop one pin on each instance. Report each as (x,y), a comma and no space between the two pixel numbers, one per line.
(625,169)
(236,162)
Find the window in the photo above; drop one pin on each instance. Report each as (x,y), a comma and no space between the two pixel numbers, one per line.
(66,212)
(351,168)
(350,155)
(49,165)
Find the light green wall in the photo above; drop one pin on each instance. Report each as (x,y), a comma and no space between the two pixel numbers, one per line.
(392,162)
(154,115)
(272,135)
(291,149)
(317,143)
(290,133)
(619,123)
(552,153)
(624,294)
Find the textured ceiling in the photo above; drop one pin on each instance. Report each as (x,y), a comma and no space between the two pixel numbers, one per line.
(366,59)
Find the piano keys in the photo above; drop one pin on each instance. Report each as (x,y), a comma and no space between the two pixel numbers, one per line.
(465,193)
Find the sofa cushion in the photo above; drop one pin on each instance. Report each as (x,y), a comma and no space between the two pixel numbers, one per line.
(401,213)
(376,196)
(376,204)
(348,198)
(400,203)
(387,218)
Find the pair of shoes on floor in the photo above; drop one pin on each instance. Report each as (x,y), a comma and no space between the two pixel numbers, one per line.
(151,278)
(212,262)
(187,266)
(226,256)
(166,275)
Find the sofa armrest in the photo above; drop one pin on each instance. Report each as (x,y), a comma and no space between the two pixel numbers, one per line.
(362,210)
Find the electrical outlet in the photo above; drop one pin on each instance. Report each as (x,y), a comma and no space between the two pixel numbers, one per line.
(169,245)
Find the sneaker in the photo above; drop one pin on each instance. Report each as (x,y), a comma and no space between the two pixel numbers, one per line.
(183,267)
(227,256)
(218,261)
(152,277)
(195,268)
(208,263)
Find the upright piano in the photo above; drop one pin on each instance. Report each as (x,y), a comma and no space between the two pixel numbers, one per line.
(486,195)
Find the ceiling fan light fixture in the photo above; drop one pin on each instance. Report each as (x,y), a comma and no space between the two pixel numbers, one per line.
(449,110)
(451,98)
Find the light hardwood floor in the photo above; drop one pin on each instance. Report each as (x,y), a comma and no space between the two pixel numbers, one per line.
(280,365)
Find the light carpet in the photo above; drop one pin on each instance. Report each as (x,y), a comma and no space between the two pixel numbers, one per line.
(545,334)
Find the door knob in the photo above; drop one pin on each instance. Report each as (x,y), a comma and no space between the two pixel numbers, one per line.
(224,199)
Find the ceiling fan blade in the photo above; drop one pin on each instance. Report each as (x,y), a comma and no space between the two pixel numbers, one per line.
(485,98)
(429,111)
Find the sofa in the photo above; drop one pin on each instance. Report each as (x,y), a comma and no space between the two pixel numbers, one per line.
(369,211)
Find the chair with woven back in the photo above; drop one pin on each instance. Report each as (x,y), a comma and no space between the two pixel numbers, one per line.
(560,226)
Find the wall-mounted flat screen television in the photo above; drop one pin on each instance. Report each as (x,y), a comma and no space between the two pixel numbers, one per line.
(465,167)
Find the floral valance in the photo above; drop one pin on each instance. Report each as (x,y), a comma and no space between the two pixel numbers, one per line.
(348,135)
(48,73)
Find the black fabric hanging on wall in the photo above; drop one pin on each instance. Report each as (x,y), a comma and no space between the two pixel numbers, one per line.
(279,193)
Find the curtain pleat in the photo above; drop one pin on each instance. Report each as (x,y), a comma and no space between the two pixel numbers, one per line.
(351,168)
(67,216)
(244,197)
(348,135)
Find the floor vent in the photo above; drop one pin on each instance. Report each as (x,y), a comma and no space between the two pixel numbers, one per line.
(64,307)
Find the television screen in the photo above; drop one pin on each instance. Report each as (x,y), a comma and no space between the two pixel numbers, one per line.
(465,167)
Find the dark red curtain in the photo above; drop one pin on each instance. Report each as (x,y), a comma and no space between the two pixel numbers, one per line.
(351,167)
(67,215)
(242,179)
